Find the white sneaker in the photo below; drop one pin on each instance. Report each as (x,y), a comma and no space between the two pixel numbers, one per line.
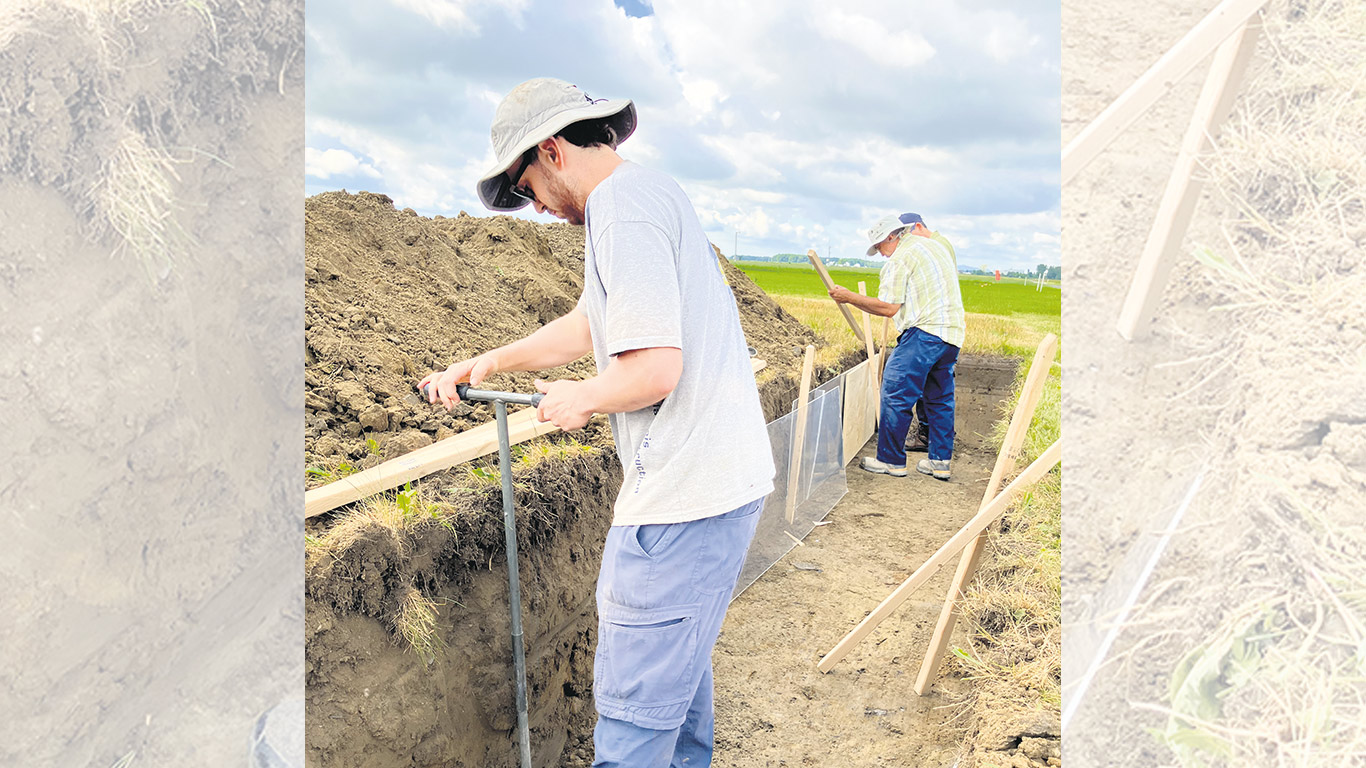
(937,469)
(878,468)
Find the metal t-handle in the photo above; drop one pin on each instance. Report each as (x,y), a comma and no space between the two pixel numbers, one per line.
(465,392)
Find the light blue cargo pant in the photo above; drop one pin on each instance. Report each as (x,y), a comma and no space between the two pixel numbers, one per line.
(662,594)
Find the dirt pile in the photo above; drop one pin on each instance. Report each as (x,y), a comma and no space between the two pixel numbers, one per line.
(390,296)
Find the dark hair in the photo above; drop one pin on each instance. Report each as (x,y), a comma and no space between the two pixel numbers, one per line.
(595,132)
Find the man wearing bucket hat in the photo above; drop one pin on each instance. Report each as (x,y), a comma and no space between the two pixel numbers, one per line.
(676,380)
(918,289)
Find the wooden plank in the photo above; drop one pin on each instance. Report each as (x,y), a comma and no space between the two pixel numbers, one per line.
(1221,23)
(830,286)
(874,380)
(1183,188)
(857,416)
(467,446)
(1020,420)
(799,431)
(976,525)
(473,443)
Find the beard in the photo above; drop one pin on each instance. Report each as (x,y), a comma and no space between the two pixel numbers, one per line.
(559,193)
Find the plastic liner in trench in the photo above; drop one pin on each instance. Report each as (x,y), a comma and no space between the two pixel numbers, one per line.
(820,479)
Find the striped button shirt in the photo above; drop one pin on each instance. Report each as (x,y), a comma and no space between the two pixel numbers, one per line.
(922,276)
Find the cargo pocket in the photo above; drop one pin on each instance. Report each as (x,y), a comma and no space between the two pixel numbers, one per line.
(643,672)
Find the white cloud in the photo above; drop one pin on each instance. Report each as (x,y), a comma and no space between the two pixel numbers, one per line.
(902,49)
(458,14)
(335,162)
(701,94)
(774,115)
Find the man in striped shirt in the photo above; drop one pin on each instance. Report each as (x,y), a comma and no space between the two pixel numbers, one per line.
(918,289)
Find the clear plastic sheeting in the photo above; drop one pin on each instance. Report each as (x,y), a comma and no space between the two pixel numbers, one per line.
(820,480)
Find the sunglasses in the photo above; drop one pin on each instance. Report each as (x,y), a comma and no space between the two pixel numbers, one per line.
(520,192)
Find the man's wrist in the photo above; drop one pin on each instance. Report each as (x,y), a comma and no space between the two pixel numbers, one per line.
(493,360)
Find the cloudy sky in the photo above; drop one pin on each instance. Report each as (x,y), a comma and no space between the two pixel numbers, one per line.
(792,123)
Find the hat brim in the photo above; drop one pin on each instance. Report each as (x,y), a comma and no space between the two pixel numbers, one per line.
(494,187)
(872,249)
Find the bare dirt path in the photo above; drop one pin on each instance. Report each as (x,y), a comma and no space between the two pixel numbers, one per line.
(774,707)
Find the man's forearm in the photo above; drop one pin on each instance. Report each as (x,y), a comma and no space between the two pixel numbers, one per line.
(873,305)
(559,342)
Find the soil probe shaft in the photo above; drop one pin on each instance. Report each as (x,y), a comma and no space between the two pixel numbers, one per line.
(500,402)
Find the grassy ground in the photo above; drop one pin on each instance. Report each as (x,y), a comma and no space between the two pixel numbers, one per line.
(1008,319)
(980,294)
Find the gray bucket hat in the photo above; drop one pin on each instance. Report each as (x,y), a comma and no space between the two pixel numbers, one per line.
(883,229)
(533,112)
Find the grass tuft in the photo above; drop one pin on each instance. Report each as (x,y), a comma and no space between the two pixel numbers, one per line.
(416,624)
(136,198)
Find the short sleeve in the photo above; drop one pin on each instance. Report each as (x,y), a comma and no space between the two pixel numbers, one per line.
(638,266)
(892,280)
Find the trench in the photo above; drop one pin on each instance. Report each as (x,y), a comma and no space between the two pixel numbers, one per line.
(374,702)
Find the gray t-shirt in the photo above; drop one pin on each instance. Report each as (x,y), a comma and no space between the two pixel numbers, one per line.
(651,279)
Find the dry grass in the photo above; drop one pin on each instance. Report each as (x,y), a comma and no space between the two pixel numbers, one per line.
(136,198)
(397,515)
(1013,610)
(1275,674)
(1015,336)
(416,624)
(824,317)
(135,195)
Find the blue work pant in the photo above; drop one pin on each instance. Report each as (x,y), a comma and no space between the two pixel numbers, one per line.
(921,365)
(662,594)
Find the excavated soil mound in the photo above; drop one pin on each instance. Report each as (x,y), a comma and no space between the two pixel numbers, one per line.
(390,296)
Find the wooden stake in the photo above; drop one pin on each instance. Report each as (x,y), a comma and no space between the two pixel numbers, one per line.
(1221,23)
(799,432)
(1183,189)
(976,525)
(469,445)
(830,286)
(1005,464)
(874,373)
(886,338)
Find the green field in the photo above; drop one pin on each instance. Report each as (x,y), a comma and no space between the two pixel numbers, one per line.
(980,294)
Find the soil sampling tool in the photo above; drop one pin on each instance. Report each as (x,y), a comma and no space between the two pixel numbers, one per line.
(500,402)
